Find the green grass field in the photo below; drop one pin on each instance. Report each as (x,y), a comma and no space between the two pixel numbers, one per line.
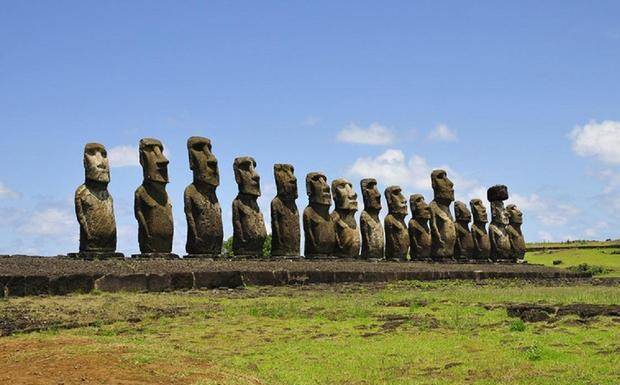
(450,332)
(573,257)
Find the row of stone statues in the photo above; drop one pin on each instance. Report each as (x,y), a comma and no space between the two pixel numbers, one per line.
(432,232)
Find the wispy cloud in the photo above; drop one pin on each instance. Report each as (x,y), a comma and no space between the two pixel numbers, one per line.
(601,140)
(414,174)
(442,133)
(311,121)
(123,156)
(51,221)
(7,193)
(375,134)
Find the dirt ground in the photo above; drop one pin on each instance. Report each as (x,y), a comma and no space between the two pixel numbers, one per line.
(44,362)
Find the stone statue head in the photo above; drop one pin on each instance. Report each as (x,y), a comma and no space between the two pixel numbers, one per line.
(371,194)
(461,212)
(479,211)
(345,198)
(499,215)
(397,204)
(317,189)
(286,182)
(419,207)
(246,176)
(202,161)
(442,186)
(514,214)
(96,163)
(154,162)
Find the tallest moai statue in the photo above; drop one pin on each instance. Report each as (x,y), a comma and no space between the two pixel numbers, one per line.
(152,207)
(205,232)
(443,231)
(94,207)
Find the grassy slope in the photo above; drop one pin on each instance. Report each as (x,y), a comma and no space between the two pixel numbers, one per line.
(406,333)
(599,257)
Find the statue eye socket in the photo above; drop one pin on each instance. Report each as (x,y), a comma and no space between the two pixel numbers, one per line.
(198,146)
(104,154)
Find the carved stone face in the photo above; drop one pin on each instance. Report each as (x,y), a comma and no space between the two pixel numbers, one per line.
(461,212)
(371,194)
(202,161)
(397,204)
(96,163)
(344,195)
(246,176)
(286,182)
(154,163)
(317,189)
(442,186)
(419,207)
(498,213)
(479,211)
(515,215)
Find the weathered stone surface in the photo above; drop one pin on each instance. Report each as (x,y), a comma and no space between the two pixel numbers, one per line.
(419,230)
(443,232)
(129,282)
(285,231)
(464,247)
(82,283)
(205,232)
(96,255)
(482,243)
(94,207)
(155,256)
(215,279)
(249,230)
(319,231)
(396,234)
(498,235)
(499,192)
(347,234)
(517,242)
(373,239)
(152,207)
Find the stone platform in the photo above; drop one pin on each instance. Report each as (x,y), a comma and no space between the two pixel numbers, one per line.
(22,275)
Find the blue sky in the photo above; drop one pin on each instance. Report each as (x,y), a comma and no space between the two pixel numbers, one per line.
(520,93)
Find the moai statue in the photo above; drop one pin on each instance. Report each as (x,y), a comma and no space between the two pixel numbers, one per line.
(482,243)
(517,242)
(152,207)
(203,213)
(419,231)
(285,233)
(94,207)
(396,234)
(373,242)
(464,247)
(498,235)
(343,216)
(249,232)
(443,231)
(319,231)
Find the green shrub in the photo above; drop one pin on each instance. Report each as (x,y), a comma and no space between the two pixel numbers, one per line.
(586,268)
(517,325)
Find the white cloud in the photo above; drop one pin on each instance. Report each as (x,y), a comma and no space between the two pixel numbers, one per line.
(7,193)
(52,221)
(375,134)
(601,140)
(547,211)
(123,156)
(442,133)
(392,168)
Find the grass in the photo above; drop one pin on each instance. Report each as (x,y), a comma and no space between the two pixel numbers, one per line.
(607,259)
(448,332)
